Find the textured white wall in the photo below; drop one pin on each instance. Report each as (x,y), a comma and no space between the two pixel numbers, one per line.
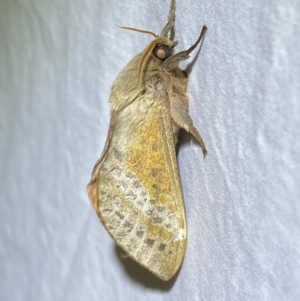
(58,60)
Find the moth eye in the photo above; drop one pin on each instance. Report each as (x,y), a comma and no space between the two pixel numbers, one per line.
(162,52)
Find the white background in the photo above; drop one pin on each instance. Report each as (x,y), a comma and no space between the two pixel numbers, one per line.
(58,60)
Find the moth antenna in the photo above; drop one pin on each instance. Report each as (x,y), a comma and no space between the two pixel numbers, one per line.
(171,20)
(145,57)
(137,29)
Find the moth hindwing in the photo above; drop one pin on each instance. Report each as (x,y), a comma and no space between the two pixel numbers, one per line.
(135,187)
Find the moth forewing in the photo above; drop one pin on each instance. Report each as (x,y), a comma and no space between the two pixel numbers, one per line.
(135,186)
(139,193)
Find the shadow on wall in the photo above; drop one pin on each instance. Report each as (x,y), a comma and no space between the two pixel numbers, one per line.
(141,275)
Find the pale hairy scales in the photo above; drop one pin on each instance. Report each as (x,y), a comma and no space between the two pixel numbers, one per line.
(139,193)
(135,187)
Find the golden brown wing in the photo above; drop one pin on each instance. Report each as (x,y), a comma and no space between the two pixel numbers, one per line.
(139,192)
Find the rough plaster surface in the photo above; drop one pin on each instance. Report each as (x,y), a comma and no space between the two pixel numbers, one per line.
(58,60)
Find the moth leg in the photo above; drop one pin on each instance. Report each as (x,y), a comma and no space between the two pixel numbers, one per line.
(171,21)
(174,60)
(182,118)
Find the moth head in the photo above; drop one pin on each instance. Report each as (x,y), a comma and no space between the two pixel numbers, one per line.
(162,46)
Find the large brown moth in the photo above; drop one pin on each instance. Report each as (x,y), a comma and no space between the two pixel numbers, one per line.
(135,186)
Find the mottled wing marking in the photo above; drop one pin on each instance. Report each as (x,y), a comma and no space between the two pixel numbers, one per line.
(139,193)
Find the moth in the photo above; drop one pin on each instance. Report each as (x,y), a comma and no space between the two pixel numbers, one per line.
(135,187)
